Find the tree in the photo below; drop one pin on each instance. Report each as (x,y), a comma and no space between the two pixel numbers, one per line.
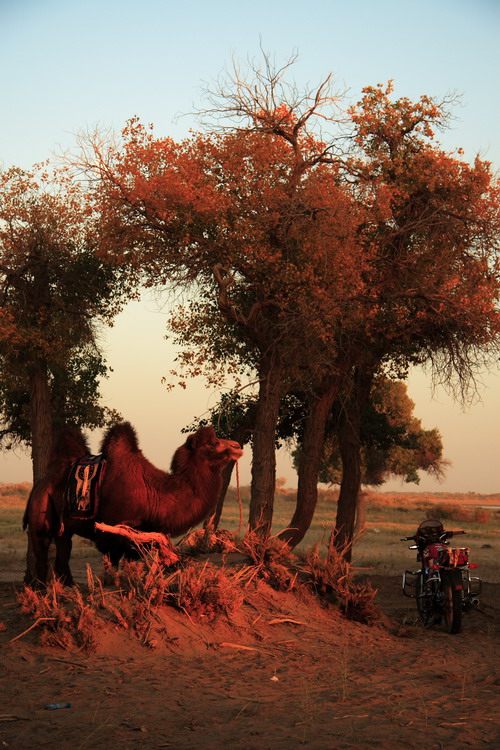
(313,268)
(54,291)
(393,441)
(257,216)
(433,236)
(387,440)
(428,226)
(74,396)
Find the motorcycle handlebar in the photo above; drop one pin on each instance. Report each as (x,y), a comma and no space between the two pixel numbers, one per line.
(446,535)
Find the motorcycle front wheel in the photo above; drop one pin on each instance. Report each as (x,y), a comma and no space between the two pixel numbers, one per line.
(452,606)
(425,601)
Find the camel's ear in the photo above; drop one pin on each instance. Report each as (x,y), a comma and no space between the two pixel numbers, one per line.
(190,442)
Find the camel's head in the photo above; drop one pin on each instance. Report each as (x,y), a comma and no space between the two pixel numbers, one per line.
(205,446)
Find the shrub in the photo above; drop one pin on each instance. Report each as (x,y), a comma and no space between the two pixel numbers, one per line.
(449,512)
(481,515)
(205,591)
(331,576)
(12,494)
(271,560)
(203,541)
(64,616)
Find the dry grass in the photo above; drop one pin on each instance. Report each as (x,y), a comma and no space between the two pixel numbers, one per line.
(332,576)
(208,540)
(71,617)
(217,587)
(66,617)
(74,617)
(206,591)
(270,560)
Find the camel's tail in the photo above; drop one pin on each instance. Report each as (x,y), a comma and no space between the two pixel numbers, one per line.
(27,511)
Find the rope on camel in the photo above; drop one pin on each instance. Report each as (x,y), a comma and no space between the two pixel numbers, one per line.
(239,496)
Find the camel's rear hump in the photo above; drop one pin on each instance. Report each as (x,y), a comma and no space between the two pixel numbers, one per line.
(69,444)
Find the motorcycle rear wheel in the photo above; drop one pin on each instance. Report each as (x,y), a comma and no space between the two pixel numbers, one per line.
(452,606)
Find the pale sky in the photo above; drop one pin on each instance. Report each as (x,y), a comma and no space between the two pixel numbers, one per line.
(69,65)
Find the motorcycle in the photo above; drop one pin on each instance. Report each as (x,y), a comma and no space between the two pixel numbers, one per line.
(443,587)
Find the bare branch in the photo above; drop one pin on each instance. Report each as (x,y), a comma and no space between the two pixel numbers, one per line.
(260,98)
(229,309)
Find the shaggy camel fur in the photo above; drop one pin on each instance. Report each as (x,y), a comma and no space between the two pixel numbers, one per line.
(133,492)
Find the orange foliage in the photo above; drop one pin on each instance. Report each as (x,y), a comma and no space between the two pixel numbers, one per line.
(392,242)
(365,251)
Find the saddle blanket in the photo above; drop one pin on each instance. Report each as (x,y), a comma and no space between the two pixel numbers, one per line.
(82,488)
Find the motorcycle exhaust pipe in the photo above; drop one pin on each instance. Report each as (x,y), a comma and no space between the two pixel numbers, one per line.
(474,602)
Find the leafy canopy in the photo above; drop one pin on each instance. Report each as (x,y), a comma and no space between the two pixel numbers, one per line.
(54,292)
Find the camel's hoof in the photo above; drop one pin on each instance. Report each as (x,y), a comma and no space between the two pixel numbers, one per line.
(34,583)
(66,580)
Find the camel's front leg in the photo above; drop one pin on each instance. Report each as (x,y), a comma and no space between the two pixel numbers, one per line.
(41,520)
(37,559)
(64,544)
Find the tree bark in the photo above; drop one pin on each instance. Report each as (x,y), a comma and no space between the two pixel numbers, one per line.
(264,450)
(309,463)
(41,420)
(350,451)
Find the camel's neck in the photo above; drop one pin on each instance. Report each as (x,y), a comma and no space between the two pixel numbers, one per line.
(194,494)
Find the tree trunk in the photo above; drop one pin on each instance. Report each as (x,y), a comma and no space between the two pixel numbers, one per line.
(350,451)
(241,434)
(309,463)
(360,513)
(41,421)
(264,450)
(214,519)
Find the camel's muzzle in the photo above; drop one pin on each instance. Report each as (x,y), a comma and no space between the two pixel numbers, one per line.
(235,450)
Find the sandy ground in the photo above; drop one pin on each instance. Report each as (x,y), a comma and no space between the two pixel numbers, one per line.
(286,672)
